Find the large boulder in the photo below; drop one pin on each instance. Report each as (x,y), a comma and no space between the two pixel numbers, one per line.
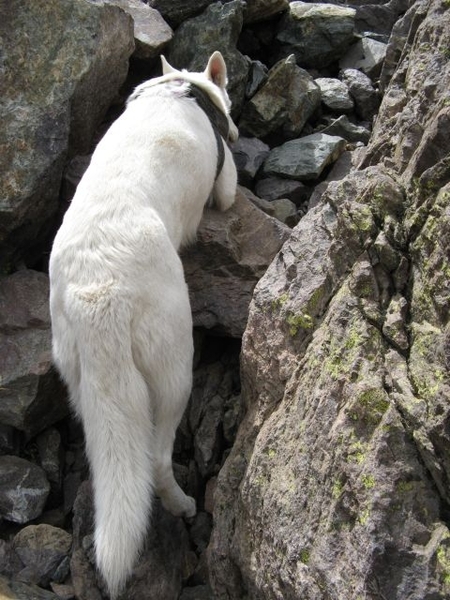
(336,484)
(64,62)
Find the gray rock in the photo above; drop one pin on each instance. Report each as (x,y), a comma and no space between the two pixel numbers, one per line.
(273,188)
(305,158)
(344,128)
(8,442)
(394,327)
(261,10)
(367,99)
(257,75)
(23,489)
(326,343)
(232,252)
(367,466)
(366,55)
(151,32)
(213,397)
(159,571)
(177,11)
(335,94)
(32,396)
(283,104)
(217,28)
(50,455)
(44,551)
(73,57)
(380,18)
(198,592)
(249,155)
(285,211)
(318,34)
(18,590)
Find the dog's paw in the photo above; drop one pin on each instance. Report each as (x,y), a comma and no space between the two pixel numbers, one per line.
(179,504)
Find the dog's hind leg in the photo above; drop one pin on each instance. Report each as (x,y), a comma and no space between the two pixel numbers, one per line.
(224,190)
(163,354)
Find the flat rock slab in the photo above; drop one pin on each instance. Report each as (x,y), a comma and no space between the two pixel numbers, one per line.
(304,159)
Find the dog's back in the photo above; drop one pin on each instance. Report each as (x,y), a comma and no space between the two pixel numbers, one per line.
(122,329)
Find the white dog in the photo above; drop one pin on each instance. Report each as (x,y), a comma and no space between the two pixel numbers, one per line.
(121,319)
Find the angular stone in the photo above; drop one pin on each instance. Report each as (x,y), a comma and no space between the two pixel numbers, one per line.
(344,128)
(73,58)
(394,327)
(249,155)
(318,34)
(151,32)
(366,55)
(177,11)
(29,591)
(232,252)
(367,99)
(285,211)
(305,158)
(44,551)
(260,10)
(334,94)
(23,489)
(257,75)
(218,26)
(273,188)
(32,396)
(283,104)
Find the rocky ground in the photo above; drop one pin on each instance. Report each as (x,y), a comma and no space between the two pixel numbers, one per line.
(316,441)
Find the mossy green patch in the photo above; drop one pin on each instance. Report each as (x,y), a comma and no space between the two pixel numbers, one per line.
(299,321)
(305,556)
(368,481)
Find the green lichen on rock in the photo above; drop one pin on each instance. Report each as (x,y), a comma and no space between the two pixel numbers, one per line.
(299,321)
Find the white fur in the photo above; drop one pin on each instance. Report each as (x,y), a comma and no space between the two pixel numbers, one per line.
(121,319)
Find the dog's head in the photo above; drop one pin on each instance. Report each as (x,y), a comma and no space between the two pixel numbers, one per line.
(213,81)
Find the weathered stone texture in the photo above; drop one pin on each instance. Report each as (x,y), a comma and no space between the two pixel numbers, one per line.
(64,62)
(233,251)
(337,486)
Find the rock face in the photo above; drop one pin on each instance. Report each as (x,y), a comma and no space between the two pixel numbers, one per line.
(335,487)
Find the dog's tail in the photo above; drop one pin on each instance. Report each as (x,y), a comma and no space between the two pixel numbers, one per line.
(116,413)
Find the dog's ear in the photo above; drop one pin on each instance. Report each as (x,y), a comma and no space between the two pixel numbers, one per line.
(216,70)
(166,68)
